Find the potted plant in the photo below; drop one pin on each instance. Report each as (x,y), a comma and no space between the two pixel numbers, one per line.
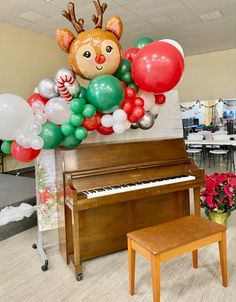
(218,197)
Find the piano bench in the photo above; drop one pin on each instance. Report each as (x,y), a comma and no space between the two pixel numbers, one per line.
(168,240)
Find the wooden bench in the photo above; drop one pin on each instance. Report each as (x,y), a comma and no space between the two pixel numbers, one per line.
(168,240)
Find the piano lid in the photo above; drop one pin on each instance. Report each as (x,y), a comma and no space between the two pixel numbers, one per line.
(93,157)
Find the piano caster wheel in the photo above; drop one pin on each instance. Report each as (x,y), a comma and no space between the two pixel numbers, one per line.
(79,277)
(44,267)
(34,246)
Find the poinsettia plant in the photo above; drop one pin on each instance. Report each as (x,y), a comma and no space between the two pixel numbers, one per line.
(219,193)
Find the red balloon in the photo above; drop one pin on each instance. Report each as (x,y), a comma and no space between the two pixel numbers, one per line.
(160,99)
(92,123)
(158,67)
(130,93)
(36,97)
(104,130)
(132,118)
(23,154)
(139,102)
(127,106)
(139,112)
(131,53)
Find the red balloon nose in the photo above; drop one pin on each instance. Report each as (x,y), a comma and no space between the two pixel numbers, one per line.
(100,59)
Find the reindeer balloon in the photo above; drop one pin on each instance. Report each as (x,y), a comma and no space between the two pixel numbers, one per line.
(123,93)
(93,52)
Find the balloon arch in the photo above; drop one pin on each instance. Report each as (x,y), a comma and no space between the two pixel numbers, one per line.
(124,92)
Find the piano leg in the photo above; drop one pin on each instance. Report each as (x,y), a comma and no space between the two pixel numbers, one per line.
(72,242)
(196,200)
(197,212)
(77,262)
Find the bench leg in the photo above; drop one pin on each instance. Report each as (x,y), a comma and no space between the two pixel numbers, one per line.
(155,262)
(195,258)
(131,260)
(223,259)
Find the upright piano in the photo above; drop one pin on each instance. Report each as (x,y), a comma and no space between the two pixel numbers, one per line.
(110,189)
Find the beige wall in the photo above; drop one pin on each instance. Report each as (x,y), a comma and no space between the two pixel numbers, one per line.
(26,58)
(209,76)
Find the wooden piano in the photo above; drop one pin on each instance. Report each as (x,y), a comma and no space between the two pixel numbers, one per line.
(111,189)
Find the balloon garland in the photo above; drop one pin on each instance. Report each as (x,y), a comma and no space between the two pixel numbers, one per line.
(124,92)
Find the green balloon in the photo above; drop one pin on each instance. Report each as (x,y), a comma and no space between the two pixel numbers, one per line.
(81,133)
(70,142)
(134,86)
(105,93)
(125,66)
(76,119)
(89,111)
(141,42)
(51,134)
(127,77)
(77,105)
(6,147)
(83,92)
(75,92)
(67,129)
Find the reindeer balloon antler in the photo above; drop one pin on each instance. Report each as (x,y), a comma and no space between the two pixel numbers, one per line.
(100,11)
(70,15)
(96,51)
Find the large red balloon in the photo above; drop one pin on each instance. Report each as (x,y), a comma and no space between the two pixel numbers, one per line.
(158,67)
(131,53)
(23,154)
(36,97)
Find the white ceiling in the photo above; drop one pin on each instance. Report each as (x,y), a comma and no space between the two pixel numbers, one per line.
(174,19)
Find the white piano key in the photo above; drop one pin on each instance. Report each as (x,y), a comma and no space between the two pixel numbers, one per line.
(137,186)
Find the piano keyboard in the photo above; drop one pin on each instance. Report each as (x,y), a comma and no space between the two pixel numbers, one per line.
(136,186)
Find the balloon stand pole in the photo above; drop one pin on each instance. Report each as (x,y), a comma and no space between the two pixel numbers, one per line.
(46,193)
(40,246)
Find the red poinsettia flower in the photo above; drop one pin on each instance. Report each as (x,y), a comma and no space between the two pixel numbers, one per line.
(209,201)
(228,191)
(232,181)
(219,192)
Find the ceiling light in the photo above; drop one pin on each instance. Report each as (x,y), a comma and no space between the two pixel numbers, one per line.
(211,16)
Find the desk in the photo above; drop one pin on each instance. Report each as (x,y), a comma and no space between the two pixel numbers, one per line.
(230,143)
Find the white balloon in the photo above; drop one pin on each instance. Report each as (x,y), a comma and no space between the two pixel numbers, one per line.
(37,106)
(15,115)
(175,44)
(107,120)
(119,116)
(41,117)
(24,140)
(37,143)
(119,128)
(35,128)
(57,111)
(148,97)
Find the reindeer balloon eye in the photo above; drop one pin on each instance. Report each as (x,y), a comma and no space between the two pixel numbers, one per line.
(87,54)
(109,49)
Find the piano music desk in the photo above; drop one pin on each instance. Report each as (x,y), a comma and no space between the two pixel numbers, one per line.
(95,226)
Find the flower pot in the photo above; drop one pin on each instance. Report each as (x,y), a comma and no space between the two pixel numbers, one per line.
(219,217)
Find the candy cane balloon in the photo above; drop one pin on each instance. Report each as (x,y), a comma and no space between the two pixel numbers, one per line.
(65,84)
